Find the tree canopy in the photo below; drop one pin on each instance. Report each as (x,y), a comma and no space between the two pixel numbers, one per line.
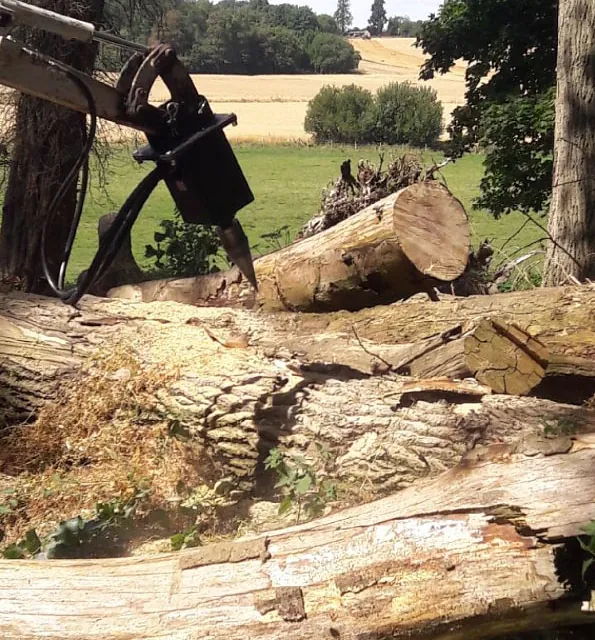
(236,36)
(510,47)
(343,16)
(377,18)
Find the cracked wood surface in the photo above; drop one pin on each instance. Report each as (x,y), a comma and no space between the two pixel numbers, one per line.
(475,548)
(384,253)
(240,397)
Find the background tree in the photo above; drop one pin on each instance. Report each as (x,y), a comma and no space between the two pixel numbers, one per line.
(572,215)
(46,143)
(510,47)
(343,16)
(377,18)
(403,27)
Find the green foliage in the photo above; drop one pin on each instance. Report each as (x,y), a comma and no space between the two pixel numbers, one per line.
(403,27)
(332,54)
(519,137)
(588,546)
(185,539)
(184,249)
(398,114)
(233,36)
(340,114)
(406,114)
(377,18)
(300,484)
(343,16)
(510,47)
(77,531)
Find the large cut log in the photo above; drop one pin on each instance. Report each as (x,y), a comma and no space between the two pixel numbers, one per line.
(240,397)
(390,250)
(488,548)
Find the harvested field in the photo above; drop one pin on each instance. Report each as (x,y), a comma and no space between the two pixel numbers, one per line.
(273,108)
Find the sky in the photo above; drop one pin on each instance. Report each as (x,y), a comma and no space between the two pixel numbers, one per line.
(360,9)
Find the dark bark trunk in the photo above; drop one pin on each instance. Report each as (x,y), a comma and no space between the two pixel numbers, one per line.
(572,215)
(48,140)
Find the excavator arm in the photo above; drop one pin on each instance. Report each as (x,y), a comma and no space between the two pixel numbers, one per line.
(186,140)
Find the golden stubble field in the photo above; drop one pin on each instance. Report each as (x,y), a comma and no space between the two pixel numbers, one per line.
(272,108)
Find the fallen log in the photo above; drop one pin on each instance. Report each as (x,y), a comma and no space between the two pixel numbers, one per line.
(488,548)
(390,250)
(240,399)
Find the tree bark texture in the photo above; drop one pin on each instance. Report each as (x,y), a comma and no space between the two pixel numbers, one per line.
(485,549)
(47,142)
(248,382)
(390,250)
(572,214)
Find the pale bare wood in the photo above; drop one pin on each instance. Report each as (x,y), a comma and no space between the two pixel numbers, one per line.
(463,553)
(388,251)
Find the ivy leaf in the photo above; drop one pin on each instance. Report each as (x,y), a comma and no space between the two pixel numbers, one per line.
(177,541)
(32,543)
(586,565)
(13,552)
(303,485)
(285,505)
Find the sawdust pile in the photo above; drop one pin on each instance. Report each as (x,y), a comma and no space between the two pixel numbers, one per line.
(100,440)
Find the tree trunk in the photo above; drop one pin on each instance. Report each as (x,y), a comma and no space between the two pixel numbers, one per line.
(572,214)
(488,548)
(47,142)
(392,249)
(242,388)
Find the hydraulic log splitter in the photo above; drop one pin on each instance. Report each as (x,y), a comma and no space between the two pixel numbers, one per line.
(185,138)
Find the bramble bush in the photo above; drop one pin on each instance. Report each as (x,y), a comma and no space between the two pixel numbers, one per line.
(397,114)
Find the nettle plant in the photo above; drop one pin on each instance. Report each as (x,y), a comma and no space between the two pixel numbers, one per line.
(301,486)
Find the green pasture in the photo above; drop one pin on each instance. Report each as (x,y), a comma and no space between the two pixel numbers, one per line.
(287,182)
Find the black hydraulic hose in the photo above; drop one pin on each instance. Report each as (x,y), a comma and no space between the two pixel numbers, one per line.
(82,161)
(111,242)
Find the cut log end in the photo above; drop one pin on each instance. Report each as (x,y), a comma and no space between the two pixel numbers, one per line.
(433,230)
(505,358)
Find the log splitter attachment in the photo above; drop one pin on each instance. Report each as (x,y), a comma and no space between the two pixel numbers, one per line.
(186,140)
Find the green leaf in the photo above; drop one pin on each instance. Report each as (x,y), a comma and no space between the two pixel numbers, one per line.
(588,547)
(13,552)
(586,564)
(5,509)
(285,505)
(303,485)
(589,528)
(32,542)
(177,541)
(159,237)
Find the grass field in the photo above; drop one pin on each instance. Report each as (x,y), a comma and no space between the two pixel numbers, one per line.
(287,182)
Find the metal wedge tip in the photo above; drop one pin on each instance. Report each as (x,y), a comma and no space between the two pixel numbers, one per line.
(235,243)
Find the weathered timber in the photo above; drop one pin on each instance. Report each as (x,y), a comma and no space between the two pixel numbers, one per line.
(497,354)
(390,250)
(472,553)
(240,397)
